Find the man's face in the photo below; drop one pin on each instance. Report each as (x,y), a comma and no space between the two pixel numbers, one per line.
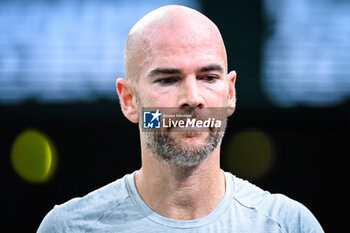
(188,75)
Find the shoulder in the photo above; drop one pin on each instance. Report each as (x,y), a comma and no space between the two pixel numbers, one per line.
(83,211)
(290,215)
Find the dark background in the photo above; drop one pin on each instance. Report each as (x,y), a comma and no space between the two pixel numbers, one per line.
(97,145)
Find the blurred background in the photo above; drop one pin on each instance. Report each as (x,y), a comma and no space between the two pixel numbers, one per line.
(62,133)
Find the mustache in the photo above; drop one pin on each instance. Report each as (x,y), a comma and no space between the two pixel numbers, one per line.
(190,113)
(199,114)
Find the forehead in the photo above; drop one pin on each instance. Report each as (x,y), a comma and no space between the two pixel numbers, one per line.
(185,51)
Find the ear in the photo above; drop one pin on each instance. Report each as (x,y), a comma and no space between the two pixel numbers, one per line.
(127,100)
(231,103)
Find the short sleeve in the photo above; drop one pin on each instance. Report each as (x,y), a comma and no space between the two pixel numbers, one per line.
(52,223)
(295,217)
(309,223)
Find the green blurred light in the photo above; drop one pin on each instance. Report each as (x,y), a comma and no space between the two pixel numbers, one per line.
(33,156)
(250,154)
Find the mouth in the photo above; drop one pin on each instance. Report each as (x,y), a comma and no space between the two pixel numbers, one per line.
(188,134)
(190,130)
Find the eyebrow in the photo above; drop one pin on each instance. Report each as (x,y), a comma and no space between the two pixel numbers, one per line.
(212,67)
(162,71)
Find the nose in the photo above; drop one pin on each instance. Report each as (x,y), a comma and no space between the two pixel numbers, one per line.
(190,94)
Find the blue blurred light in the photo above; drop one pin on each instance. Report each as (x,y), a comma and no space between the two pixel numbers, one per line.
(306,57)
(66,50)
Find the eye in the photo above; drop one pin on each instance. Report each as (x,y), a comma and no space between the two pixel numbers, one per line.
(209,78)
(167,81)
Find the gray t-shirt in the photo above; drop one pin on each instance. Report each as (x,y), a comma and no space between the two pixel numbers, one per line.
(117,207)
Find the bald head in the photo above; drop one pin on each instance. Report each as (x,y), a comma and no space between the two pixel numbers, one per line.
(167,29)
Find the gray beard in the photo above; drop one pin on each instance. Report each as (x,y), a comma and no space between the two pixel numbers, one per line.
(168,150)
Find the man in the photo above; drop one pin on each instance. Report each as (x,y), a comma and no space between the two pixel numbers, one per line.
(176,58)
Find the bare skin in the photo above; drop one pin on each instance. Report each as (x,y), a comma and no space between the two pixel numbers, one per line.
(184,41)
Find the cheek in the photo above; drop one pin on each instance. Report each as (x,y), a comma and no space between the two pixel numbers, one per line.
(154,97)
(217,94)
(164,98)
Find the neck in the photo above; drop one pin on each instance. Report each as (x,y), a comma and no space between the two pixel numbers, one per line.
(180,193)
